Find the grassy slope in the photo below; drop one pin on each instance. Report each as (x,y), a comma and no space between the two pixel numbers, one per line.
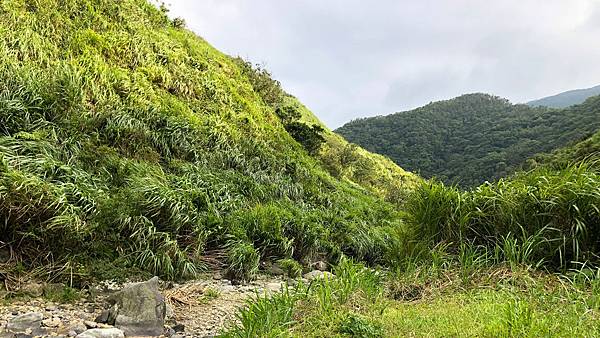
(127,139)
(354,164)
(472,138)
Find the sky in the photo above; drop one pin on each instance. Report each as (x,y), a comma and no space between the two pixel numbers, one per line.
(347,59)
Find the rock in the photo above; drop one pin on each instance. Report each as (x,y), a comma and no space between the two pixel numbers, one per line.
(275,270)
(72,333)
(139,309)
(169,332)
(103,317)
(316,274)
(54,322)
(102,333)
(321,266)
(22,323)
(32,289)
(179,328)
(90,325)
(78,328)
(169,313)
(274,287)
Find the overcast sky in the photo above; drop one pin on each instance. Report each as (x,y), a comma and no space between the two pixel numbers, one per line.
(353,58)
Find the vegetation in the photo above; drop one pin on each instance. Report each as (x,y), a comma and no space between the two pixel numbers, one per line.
(437,301)
(517,258)
(473,138)
(587,150)
(566,99)
(128,143)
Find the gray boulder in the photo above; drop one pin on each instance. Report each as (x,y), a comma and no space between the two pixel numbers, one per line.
(32,320)
(139,309)
(102,333)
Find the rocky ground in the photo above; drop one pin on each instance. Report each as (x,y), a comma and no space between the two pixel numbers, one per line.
(200,308)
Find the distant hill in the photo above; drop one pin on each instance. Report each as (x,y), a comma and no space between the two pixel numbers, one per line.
(474,137)
(566,99)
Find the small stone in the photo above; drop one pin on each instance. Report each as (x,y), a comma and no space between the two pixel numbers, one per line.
(320,265)
(274,287)
(102,333)
(316,274)
(78,328)
(72,333)
(54,322)
(103,317)
(22,323)
(179,327)
(33,289)
(169,312)
(90,325)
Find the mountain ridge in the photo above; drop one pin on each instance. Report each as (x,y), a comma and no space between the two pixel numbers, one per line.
(471,138)
(566,99)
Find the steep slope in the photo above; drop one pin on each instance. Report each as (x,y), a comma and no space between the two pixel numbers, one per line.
(127,141)
(566,99)
(587,150)
(472,138)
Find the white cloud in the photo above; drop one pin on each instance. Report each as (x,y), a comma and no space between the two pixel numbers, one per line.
(352,58)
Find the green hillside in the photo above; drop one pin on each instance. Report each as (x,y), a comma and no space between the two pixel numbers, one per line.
(472,138)
(566,99)
(126,141)
(585,150)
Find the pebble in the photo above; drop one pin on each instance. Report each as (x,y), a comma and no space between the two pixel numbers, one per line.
(90,324)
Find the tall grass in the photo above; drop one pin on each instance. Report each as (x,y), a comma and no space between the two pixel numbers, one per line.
(540,218)
(126,138)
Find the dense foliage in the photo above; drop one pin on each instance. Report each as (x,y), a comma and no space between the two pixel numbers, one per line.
(586,150)
(545,217)
(472,138)
(127,141)
(566,99)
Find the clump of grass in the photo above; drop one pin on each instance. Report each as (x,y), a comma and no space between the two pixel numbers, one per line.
(242,261)
(209,294)
(292,268)
(355,326)
(62,295)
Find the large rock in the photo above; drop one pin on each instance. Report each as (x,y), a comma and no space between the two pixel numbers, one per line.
(102,333)
(139,309)
(316,274)
(22,323)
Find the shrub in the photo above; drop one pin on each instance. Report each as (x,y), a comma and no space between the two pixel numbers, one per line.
(242,261)
(292,268)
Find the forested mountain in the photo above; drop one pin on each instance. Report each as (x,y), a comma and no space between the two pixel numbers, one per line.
(472,138)
(566,99)
(126,141)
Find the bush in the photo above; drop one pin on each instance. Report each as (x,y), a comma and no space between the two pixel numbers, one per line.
(242,261)
(292,268)
(541,216)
